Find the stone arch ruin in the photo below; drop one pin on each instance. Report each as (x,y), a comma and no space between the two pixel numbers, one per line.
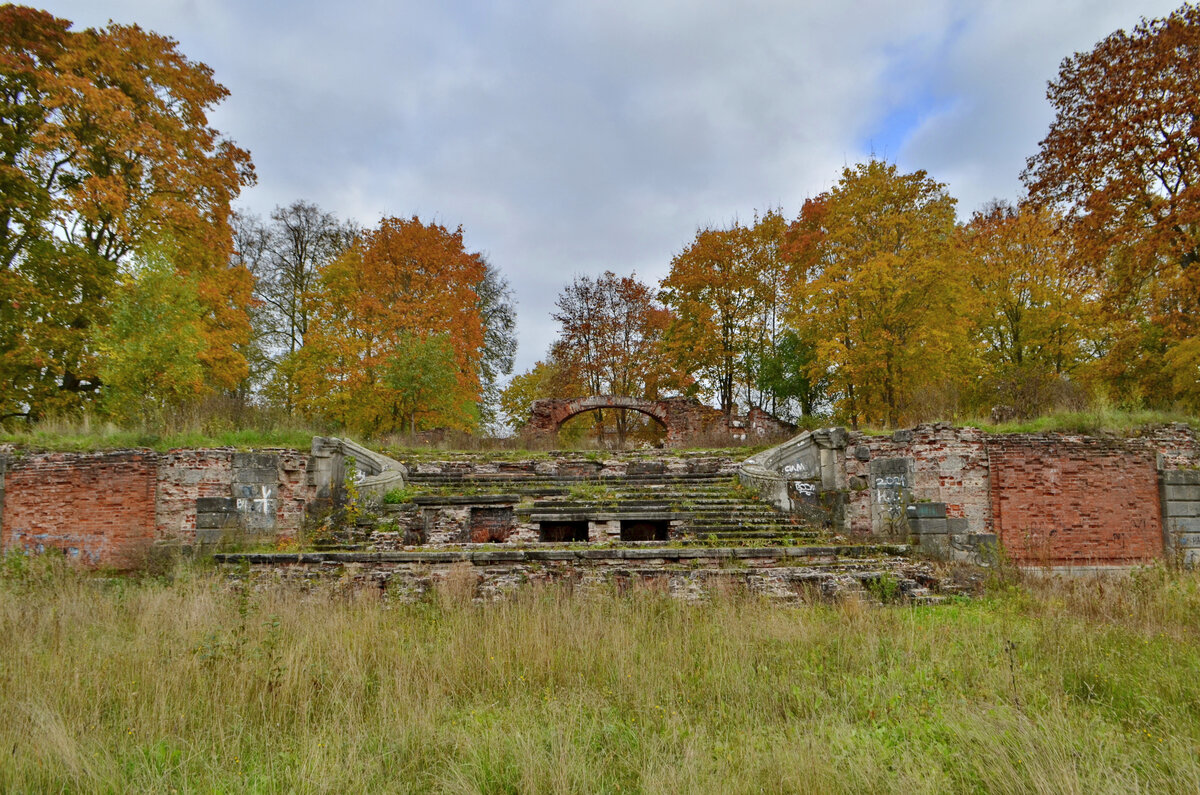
(683,418)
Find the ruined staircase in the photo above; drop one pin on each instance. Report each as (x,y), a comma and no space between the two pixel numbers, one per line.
(702,507)
(689,526)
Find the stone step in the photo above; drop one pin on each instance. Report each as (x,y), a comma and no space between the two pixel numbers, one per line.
(486,477)
(500,553)
(746,535)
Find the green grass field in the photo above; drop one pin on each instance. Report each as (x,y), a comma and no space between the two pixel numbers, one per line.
(191,685)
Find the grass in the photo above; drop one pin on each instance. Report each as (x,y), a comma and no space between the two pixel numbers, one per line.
(192,685)
(88,437)
(1095,421)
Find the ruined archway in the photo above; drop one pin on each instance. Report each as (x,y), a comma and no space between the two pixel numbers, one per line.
(683,418)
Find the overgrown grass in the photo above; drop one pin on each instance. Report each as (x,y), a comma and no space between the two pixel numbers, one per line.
(215,430)
(86,436)
(1101,420)
(196,686)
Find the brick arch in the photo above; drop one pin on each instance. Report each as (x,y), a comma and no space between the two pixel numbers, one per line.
(682,417)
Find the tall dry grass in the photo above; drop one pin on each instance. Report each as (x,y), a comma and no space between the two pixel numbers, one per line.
(194,685)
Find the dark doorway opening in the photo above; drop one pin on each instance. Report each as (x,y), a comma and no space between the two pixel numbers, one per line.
(563,532)
(491,525)
(644,529)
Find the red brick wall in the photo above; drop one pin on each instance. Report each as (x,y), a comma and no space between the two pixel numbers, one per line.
(98,508)
(1074,500)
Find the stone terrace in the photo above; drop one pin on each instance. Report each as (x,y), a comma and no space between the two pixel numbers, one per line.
(679,522)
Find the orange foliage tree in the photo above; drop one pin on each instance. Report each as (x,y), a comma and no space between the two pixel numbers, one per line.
(610,332)
(873,273)
(1122,159)
(1032,311)
(105,151)
(725,291)
(403,293)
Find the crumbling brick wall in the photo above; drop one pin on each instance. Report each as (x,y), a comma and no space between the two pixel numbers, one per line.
(185,476)
(948,465)
(1074,500)
(280,491)
(96,507)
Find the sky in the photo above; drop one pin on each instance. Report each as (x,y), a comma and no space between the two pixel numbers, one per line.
(570,137)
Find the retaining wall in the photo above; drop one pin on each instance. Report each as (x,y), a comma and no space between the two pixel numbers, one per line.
(1049,499)
(108,508)
(98,509)
(793,574)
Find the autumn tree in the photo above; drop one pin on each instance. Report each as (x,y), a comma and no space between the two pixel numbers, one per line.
(105,150)
(402,282)
(150,349)
(1122,160)
(1032,309)
(498,313)
(725,290)
(420,375)
(546,379)
(872,259)
(610,330)
(284,255)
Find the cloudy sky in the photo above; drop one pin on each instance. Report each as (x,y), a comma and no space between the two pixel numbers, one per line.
(572,137)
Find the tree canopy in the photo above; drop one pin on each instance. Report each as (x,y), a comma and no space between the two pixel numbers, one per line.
(1122,161)
(105,152)
(375,309)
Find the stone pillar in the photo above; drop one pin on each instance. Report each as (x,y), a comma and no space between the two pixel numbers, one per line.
(1180,494)
(891,493)
(927,521)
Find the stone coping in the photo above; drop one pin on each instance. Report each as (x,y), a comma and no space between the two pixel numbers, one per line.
(466,499)
(485,556)
(605,515)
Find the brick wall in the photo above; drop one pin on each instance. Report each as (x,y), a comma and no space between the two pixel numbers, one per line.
(948,465)
(266,492)
(185,476)
(98,508)
(1072,500)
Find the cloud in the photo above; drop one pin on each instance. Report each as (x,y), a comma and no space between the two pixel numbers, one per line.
(575,137)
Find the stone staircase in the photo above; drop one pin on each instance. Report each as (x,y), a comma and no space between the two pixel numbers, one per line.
(707,507)
(685,526)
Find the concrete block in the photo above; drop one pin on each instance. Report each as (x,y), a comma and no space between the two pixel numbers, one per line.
(1183,524)
(216,521)
(1172,509)
(958,524)
(208,537)
(1181,477)
(927,510)
(215,505)
(936,544)
(255,476)
(979,549)
(1186,540)
(255,461)
(254,492)
(928,526)
(1179,493)
(259,521)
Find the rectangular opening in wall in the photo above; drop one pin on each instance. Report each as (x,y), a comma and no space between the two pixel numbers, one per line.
(491,525)
(563,532)
(644,529)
